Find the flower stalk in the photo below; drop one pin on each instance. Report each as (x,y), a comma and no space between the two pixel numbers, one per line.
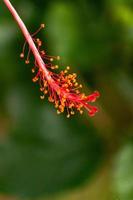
(61,88)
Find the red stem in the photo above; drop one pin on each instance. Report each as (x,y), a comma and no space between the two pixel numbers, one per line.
(28,39)
(32,45)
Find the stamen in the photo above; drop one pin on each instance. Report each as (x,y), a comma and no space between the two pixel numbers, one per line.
(62,89)
(38,30)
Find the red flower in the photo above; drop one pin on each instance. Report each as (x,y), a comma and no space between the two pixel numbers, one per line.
(61,88)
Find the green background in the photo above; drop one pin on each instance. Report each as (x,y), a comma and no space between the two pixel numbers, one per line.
(49,157)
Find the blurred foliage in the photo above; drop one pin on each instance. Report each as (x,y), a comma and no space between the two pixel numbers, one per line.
(33,159)
(123,174)
(48,156)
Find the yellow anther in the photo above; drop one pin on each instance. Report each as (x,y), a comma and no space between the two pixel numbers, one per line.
(64,99)
(68,115)
(50,99)
(63,102)
(58,112)
(66,85)
(45,84)
(72,113)
(41,89)
(42,97)
(81,112)
(71,105)
(51,59)
(60,107)
(42,52)
(22,55)
(33,70)
(68,68)
(45,92)
(27,62)
(56,66)
(62,110)
(82,96)
(58,57)
(35,79)
(74,74)
(42,25)
(80,86)
(76,84)
(74,80)
(58,92)
(80,106)
(70,76)
(56,105)
(40,43)
(65,71)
